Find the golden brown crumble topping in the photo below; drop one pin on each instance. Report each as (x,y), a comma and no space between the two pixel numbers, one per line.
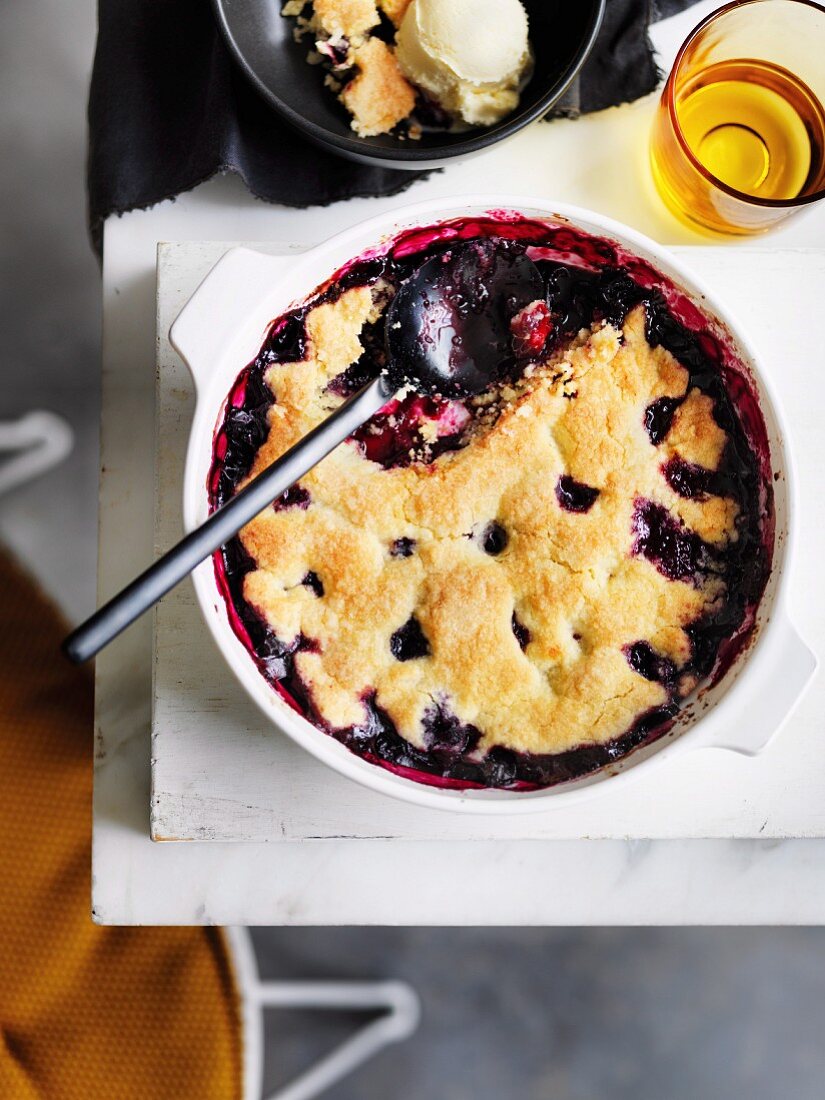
(379,97)
(571,578)
(351,18)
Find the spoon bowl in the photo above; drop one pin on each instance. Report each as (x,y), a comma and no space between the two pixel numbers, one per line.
(448,328)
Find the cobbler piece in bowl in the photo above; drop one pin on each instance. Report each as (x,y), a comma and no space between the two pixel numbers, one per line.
(517,588)
(399,66)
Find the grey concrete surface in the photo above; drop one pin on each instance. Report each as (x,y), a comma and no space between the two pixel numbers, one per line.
(50,299)
(508,1014)
(600,1014)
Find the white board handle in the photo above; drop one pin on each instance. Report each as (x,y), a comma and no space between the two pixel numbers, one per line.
(773,698)
(221,304)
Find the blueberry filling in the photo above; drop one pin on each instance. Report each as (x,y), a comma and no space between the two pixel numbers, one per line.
(643,659)
(402,548)
(521,632)
(286,342)
(275,658)
(576,297)
(408,642)
(690,481)
(393,437)
(335,50)
(659,417)
(244,430)
(502,767)
(314,583)
(494,539)
(293,497)
(676,551)
(451,752)
(430,114)
(574,496)
(445,733)
(364,369)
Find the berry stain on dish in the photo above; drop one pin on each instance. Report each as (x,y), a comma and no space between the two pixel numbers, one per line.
(515,587)
(405,66)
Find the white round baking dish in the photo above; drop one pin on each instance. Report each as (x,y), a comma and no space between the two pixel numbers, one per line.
(222,328)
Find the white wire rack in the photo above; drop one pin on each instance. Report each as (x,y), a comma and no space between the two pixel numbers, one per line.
(30,446)
(399,1019)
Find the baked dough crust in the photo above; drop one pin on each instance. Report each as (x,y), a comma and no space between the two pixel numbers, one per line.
(574,580)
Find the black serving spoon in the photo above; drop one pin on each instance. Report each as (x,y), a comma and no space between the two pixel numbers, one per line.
(447,332)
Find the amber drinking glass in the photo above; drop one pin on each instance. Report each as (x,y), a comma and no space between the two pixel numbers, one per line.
(738,140)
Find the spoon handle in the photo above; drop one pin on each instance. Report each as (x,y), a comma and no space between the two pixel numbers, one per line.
(122,610)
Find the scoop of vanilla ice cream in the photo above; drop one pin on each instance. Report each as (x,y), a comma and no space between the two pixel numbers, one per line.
(472,56)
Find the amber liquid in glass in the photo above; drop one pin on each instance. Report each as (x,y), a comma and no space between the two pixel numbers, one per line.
(754,126)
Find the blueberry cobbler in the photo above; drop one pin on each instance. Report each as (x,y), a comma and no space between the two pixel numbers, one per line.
(402,66)
(520,587)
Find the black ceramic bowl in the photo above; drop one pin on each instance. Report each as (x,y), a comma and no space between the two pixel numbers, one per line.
(261,40)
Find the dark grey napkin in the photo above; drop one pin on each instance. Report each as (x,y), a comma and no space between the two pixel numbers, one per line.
(168,109)
(620,67)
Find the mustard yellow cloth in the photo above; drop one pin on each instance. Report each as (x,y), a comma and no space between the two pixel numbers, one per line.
(86,1013)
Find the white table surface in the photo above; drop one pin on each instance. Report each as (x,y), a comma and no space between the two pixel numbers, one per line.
(598,162)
